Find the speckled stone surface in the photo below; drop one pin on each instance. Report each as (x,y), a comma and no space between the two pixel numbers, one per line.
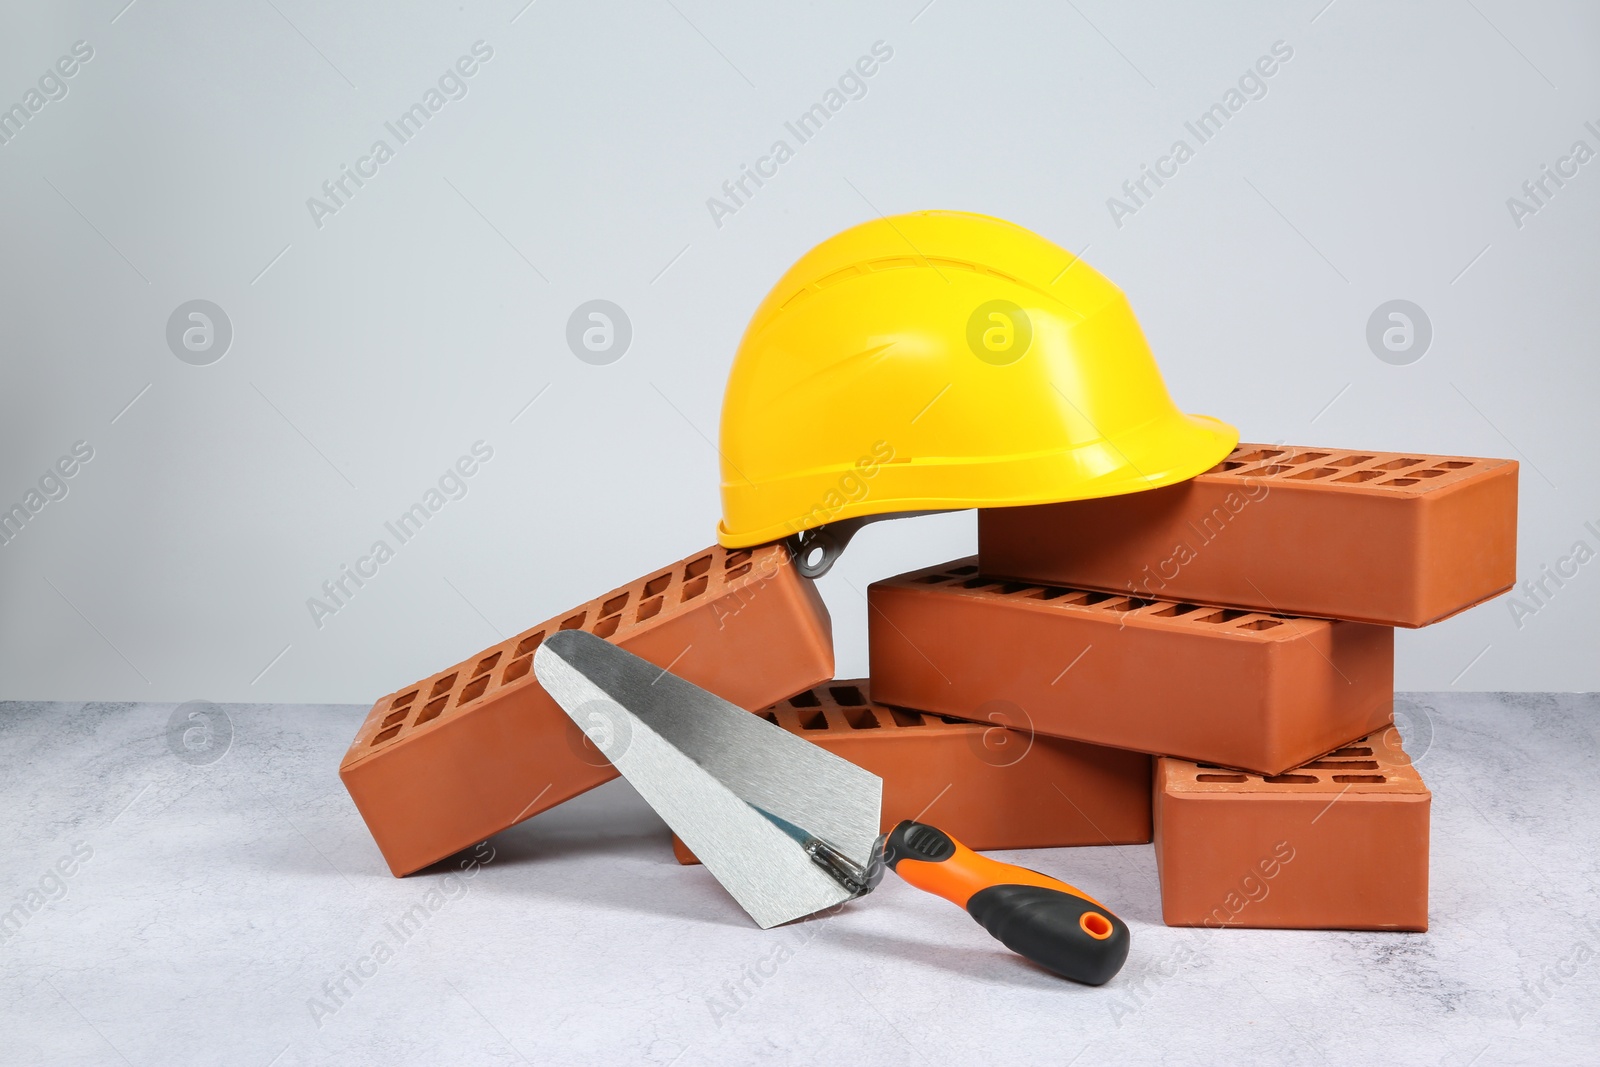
(167,909)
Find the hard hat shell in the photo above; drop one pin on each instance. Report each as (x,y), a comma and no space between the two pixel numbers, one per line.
(944,360)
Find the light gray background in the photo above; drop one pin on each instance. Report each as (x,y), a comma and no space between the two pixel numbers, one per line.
(370,353)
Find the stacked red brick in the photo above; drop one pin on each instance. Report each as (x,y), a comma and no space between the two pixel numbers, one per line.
(984,784)
(1240,627)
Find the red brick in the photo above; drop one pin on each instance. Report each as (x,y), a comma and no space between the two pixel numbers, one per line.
(465,753)
(987,786)
(1399,539)
(1245,689)
(1338,844)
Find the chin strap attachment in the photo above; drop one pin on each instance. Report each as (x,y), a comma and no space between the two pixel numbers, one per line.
(827,543)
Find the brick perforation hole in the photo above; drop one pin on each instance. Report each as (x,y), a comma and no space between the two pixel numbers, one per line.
(847,696)
(433,709)
(966,578)
(846,706)
(1348,468)
(473,690)
(860,719)
(1353,764)
(513,661)
(1221,616)
(903,717)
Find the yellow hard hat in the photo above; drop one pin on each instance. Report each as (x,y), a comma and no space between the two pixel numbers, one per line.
(943,360)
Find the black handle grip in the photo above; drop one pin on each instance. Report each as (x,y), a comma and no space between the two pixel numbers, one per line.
(1061,932)
(1045,919)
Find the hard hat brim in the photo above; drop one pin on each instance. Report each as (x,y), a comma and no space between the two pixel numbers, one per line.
(1164,452)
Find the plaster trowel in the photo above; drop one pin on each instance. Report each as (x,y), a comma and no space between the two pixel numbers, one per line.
(790,829)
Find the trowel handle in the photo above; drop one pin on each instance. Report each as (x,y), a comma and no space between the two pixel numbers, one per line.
(1056,926)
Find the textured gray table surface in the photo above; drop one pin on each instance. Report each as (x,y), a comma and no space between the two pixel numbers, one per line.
(212,911)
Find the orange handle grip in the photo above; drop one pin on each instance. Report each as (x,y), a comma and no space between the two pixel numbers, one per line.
(1056,925)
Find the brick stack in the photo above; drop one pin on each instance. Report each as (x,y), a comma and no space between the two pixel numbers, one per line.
(1239,628)
(1210,664)
(442,763)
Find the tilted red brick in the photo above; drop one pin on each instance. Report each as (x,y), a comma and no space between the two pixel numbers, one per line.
(465,753)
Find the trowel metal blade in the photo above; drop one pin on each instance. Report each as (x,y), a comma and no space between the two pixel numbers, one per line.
(713,770)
